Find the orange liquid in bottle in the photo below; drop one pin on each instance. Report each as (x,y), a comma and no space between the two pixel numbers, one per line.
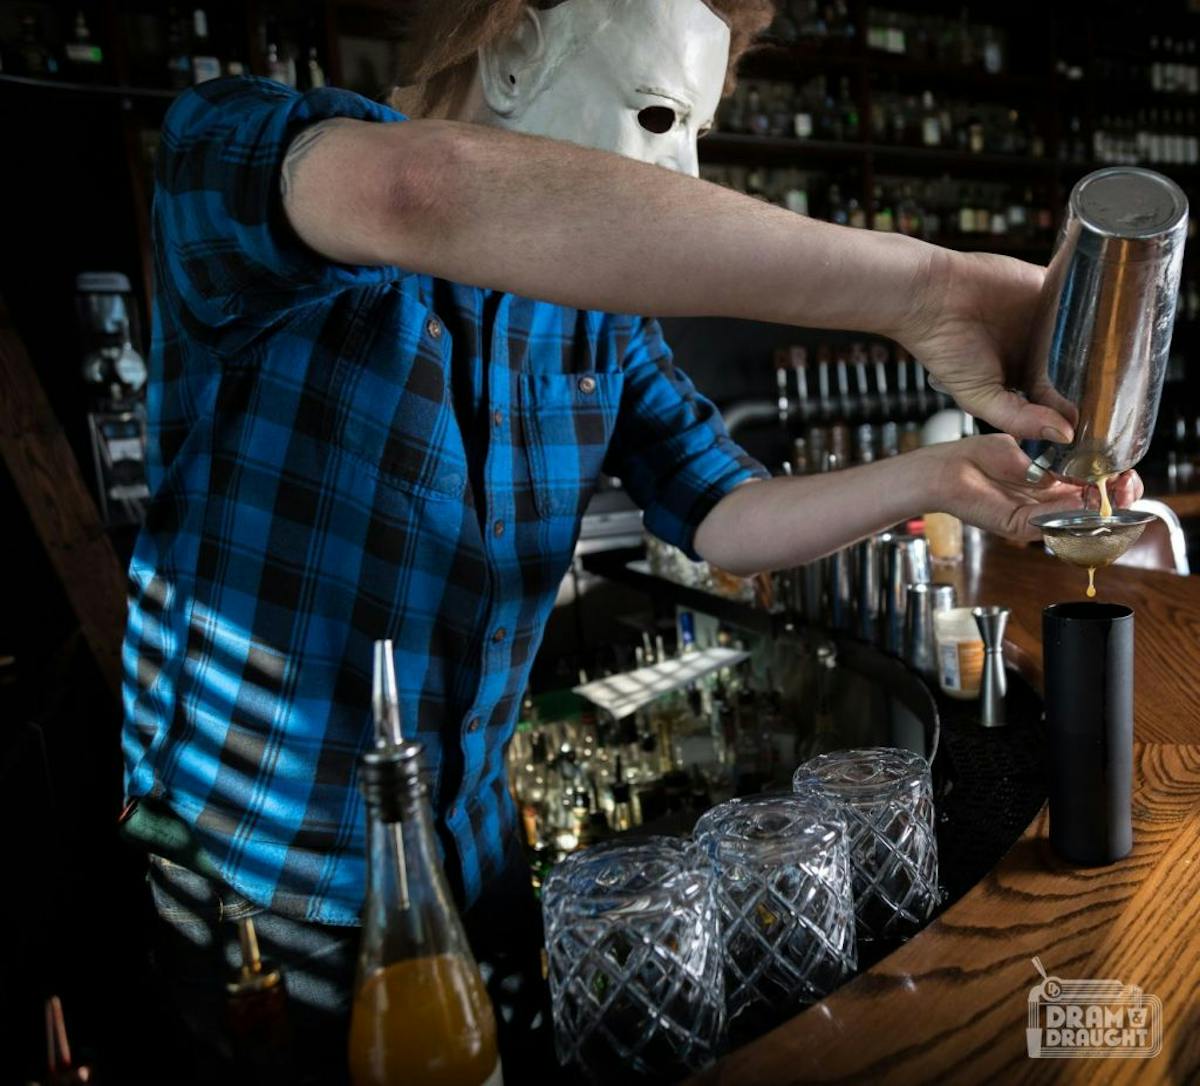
(424,1020)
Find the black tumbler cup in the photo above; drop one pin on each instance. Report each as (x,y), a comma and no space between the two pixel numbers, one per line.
(1088,666)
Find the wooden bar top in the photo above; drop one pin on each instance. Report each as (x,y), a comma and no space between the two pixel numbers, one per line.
(950,1005)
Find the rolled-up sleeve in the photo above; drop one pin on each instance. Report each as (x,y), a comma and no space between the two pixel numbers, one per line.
(670,448)
(222,235)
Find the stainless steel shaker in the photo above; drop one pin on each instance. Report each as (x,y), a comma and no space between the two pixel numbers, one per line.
(868,554)
(1099,347)
(920,650)
(906,561)
(841,590)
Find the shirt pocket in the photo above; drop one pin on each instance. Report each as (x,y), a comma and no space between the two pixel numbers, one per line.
(569,419)
(391,404)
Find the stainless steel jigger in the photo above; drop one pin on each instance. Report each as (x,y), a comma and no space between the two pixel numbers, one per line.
(993,684)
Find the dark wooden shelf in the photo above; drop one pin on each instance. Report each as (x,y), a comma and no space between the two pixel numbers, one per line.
(905,68)
(103,90)
(996,243)
(730,146)
(802,59)
(1121,95)
(737,147)
(949,157)
(1185,176)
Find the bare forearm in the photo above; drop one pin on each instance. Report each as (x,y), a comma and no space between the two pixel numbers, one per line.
(588,229)
(777,523)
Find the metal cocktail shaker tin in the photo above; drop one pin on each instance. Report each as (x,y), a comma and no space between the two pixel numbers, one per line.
(1098,351)
(869,556)
(924,599)
(906,561)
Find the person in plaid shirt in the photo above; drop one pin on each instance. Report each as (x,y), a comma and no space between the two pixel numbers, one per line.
(390,359)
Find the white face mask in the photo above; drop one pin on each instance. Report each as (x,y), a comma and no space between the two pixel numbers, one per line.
(638,77)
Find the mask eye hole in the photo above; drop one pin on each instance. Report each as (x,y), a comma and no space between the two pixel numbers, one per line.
(657,119)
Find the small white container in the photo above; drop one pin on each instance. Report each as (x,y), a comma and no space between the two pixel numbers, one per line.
(959,652)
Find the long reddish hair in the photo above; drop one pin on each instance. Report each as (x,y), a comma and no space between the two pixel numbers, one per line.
(445,36)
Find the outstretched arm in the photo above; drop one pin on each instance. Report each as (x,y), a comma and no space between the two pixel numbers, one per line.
(777,523)
(590,229)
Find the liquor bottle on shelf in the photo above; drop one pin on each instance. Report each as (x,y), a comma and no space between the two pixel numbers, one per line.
(882,214)
(908,214)
(931,122)
(803,123)
(966,42)
(315,74)
(848,111)
(179,61)
(783,28)
(280,68)
(837,210)
(204,64)
(795,193)
(856,214)
(235,66)
(84,57)
(622,799)
(757,122)
(993,51)
(420,1007)
(33,56)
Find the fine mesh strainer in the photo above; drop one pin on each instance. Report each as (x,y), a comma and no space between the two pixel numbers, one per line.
(1087,539)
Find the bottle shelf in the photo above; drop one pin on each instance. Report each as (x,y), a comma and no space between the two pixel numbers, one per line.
(737,146)
(1185,175)
(803,59)
(996,243)
(796,60)
(949,75)
(740,146)
(951,157)
(89,90)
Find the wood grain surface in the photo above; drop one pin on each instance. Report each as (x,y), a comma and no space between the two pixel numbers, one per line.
(950,1005)
(1186,503)
(47,475)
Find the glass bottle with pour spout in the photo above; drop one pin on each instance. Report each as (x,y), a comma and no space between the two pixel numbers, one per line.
(421,1013)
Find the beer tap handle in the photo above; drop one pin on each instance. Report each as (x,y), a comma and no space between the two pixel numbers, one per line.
(799,357)
(843,384)
(823,389)
(781,386)
(879,363)
(902,393)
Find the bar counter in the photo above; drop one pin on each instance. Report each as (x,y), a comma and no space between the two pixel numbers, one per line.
(950,1005)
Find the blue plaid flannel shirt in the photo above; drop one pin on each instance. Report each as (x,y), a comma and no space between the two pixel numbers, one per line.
(339,454)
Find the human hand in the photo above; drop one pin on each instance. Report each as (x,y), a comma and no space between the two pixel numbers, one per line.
(970,326)
(981,480)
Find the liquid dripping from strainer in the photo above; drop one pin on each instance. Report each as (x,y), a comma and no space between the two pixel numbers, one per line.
(1105,511)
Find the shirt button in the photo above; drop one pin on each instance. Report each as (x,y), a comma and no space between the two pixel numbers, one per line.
(499,635)
(434,328)
(498,418)
(475,724)
(498,528)
(587,385)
